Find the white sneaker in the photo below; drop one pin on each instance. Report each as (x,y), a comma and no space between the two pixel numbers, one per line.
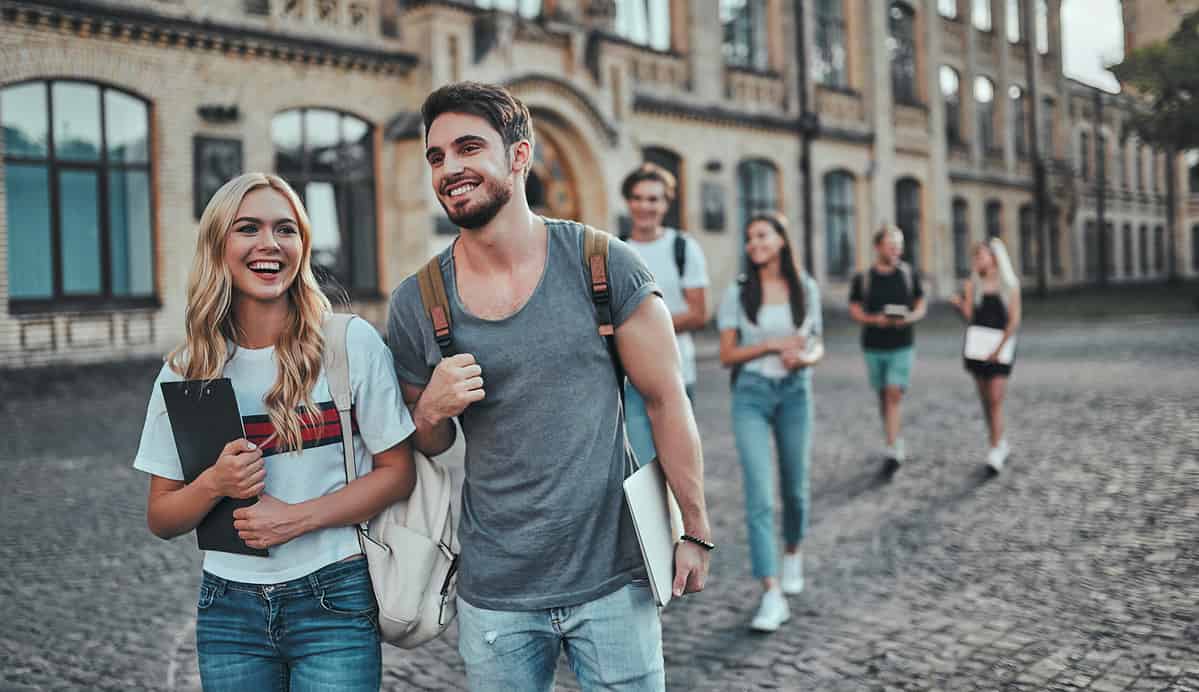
(900,452)
(772,612)
(792,580)
(997,456)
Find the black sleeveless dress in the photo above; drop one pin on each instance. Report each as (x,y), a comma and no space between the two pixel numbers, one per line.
(991,312)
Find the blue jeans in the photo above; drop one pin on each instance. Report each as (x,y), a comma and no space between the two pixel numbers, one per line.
(765,408)
(315,633)
(612,643)
(641,434)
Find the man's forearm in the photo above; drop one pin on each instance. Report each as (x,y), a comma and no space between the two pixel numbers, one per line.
(677,441)
(432,436)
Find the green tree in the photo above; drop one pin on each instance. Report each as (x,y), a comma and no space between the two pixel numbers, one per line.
(1166,75)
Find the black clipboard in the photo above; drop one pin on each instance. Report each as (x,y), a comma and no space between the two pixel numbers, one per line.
(204,418)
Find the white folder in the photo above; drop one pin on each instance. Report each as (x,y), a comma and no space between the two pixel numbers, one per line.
(981,342)
(658,523)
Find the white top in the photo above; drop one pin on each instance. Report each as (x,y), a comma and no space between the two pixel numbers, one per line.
(383,422)
(658,256)
(774,320)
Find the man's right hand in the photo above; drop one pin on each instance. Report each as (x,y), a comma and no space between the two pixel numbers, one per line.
(457,382)
(239,472)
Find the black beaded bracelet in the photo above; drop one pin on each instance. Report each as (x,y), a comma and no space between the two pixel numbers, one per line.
(706,545)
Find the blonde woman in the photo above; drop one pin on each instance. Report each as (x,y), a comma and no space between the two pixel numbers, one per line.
(304,617)
(991,298)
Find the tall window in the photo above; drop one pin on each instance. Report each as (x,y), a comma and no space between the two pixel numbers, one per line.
(1019,120)
(1192,164)
(961,238)
(1195,248)
(1159,250)
(1045,131)
(902,45)
(77,190)
(1109,241)
(525,8)
(984,99)
(1090,247)
(1042,27)
(328,157)
(1126,242)
(981,15)
(1055,243)
(744,24)
(1084,155)
(830,62)
(1138,163)
(1144,247)
(994,214)
(839,223)
(951,92)
(1012,21)
(1028,240)
(1101,157)
(644,22)
(948,8)
(757,188)
(1121,172)
(907,217)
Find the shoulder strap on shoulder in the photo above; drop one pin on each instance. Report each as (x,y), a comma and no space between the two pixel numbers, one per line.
(336,360)
(437,305)
(905,270)
(680,252)
(866,274)
(595,260)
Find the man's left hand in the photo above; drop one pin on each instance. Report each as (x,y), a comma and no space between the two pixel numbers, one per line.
(266,523)
(690,568)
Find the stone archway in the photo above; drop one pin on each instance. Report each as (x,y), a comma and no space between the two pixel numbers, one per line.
(552,188)
(567,180)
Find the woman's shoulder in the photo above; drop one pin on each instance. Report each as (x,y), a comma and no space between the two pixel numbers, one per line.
(362,335)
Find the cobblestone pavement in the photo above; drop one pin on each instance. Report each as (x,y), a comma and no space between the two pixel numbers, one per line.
(1077,568)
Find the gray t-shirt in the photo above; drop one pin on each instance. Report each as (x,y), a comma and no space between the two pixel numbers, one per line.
(543,519)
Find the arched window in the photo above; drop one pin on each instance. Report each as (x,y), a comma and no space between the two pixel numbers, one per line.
(1144,247)
(981,15)
(1042,27)
(1127,243)
(839,223)
(961,238)
(1028,240)
(757,189)
(744,23)
(644,22)
(901,26)
(830,59)
(1192,164)
(1019,120)
(77,160)
(984,99)
(994,215)
(1012,20)
(674,163)
(328,157)
(951,92)
(907,217)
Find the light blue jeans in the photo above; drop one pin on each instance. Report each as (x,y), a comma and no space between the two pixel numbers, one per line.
(763,409)
(313,634)
(612,643)
(641,433)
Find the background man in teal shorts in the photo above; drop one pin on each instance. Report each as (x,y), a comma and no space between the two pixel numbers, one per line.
(887,300)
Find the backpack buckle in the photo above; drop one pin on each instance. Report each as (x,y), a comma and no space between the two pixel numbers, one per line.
(441,327)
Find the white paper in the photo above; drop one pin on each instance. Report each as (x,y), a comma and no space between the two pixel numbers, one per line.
(981,342)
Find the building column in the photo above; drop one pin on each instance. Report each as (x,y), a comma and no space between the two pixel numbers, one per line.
(938,231)
(882,116)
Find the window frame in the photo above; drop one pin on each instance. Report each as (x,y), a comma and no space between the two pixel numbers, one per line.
(985,125)
(745,182)
(844,209)
(102,166)
(908,74)
(751,28)
(826,48)
(953,109)
(960,225)
(981,13)
(908,217)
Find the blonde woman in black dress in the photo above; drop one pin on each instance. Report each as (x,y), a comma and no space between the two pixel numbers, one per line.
(991,298)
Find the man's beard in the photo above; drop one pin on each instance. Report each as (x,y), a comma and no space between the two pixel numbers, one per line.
(496,196)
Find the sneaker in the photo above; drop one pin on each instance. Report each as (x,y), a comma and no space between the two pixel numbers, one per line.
(792,580)
(900,455)
(997,456)
(772,612)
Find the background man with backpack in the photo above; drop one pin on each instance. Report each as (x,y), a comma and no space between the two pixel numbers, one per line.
(679,268)
(549,557)
(887,300)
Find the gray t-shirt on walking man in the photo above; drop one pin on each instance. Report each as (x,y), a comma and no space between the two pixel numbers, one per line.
(543,520)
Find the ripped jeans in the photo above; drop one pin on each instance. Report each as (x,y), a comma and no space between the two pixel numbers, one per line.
(611,643)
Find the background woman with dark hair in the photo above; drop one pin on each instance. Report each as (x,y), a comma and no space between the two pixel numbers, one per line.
(770,328)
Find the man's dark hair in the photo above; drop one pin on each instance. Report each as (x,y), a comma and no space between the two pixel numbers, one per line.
(886,230)
(649,171)
(503,111)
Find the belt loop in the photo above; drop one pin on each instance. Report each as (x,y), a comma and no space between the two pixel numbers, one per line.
(315,584)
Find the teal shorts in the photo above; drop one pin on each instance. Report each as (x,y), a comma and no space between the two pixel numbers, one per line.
(890,368)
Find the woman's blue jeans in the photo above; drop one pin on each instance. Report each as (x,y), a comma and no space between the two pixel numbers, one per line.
(313,634)
(766,409)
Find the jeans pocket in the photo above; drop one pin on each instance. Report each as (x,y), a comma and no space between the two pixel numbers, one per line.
(350,597)
(207,596)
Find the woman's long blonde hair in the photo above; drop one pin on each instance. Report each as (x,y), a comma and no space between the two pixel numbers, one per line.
(1009,282)
(212,332)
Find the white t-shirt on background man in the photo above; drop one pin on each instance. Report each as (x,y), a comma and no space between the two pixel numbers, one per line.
(382,421)
(658,255)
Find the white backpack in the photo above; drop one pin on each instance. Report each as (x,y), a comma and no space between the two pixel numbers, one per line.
(411,546)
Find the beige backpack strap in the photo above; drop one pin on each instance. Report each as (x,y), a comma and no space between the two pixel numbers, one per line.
(437,304)
(595,258)
(336,360)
